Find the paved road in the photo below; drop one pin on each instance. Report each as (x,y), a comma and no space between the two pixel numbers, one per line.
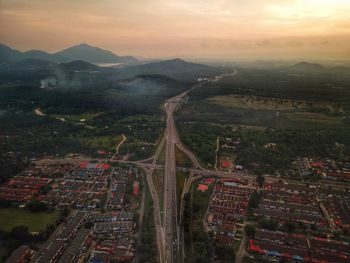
(170,194)
(173,243)
(157,217)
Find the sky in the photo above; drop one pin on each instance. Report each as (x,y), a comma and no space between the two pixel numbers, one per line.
(207,29)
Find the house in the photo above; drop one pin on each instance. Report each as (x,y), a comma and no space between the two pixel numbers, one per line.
(22,254)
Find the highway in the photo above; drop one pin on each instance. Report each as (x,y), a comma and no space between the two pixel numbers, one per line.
(170,216)
(169,233)
(173,243)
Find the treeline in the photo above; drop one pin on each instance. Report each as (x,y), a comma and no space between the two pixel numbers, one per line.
(200,245)
(281,84)
(148,248)
(10,167)
(20,235)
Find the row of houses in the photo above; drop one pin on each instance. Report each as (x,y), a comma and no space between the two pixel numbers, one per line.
(290,202)
(118,189)
(23,189)
(297,247)
(228,206)
(337,204)
(324,168)
(80,192)
(60,242)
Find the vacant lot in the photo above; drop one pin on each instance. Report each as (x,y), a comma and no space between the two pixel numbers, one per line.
(266,103)
(314,117)
(158,180)
(36,222)
(181,158)
(108,143)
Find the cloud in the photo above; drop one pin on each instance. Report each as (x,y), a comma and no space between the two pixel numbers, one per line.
(166,27)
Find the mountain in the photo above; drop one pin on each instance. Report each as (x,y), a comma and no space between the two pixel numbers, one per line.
(306,66)
(36,54)
(175,68)
(31,64)
(8,54)
(341,68)
(80,52)
(92,55)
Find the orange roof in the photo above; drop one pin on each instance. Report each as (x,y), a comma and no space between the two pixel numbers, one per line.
(202,187)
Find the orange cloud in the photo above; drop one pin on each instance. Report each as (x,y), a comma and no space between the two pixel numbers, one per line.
(197,28)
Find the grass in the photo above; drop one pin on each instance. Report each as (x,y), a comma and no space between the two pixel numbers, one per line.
(181,158)
(108,143)
(236,244)
(199,202)
(180,183)
(264,103)
(78,117)
(161,157)
(201,199)
(313,117)
(36,222)
(158,180)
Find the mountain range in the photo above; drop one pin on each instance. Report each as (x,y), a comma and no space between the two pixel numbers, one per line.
(83,52)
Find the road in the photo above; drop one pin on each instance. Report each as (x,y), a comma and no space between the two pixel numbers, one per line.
(120,144)
(156,213)
(173,243)
(170,217)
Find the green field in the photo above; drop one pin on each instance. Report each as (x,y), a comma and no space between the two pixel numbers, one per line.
(36,222)
(182,159)
(266,103)
(108,143)
(313,117)
(158,181)
(78,117)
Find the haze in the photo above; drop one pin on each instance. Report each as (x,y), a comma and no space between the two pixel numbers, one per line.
(208,29)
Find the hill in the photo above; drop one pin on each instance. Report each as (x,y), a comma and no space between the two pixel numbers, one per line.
(30,64)
(37,54)
(306,66)
(92,54)
(8,54)
(77,65)
(79,52)
(175,68)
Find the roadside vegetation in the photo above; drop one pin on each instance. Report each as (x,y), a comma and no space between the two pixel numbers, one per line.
(182,159)
(158,180)
(199,244)
(148,247)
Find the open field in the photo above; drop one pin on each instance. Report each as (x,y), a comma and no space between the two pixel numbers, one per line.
(180,181)
(84,117)
(103,142)
(181,159)
(313,117)
(36,222)
(158,180)
(265,103)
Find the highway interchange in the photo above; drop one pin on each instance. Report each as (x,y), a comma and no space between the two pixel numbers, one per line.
(169,233)
(169,236)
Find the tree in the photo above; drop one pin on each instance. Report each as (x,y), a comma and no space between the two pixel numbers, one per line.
(45,189)
(36,206)
(260,179)
(249,230)
(21,233)
(254,200)
(268,224)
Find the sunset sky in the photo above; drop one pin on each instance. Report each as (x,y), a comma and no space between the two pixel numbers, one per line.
(223,29)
